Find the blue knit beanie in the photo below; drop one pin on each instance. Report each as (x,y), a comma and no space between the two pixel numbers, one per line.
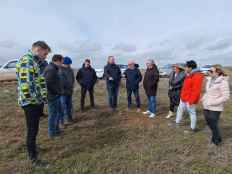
(67,61)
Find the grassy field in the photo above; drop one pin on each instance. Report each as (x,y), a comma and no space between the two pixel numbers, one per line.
(122,143)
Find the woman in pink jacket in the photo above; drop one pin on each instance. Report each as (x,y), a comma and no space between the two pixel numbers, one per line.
(217,93)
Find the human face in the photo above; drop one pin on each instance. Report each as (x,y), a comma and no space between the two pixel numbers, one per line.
(87,64)
(131,65)
(212,72)
(176,69)
(111,60)
(40,52)
(149,65)
(188,69)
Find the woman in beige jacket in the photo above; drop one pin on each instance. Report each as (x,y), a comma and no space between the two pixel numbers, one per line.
(217,93)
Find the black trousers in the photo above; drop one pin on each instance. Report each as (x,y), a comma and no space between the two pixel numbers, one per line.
(136,94)
(212,119)
(32,114)
(83,95)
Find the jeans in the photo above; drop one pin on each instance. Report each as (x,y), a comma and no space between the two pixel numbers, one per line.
(152,104)
(91,96)
(137,98)
(54,116)
(212,119)
(183,106)
(112,95)
(66,106)
(33,114)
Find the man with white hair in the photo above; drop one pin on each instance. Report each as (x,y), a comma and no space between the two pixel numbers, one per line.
(150,84)
(133,78)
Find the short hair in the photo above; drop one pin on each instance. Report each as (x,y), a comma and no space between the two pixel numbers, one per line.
(191,64)
(41,44)
(88,60)
(57,58)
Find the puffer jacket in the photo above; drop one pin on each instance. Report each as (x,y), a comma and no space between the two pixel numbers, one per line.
(217,93)
(191,90)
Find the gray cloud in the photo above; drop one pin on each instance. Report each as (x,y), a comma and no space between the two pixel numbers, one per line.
(125,48)
(220,44)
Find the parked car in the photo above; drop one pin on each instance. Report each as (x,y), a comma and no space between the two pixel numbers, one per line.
(8,70)
(204,69)
(100,73)
(165,71)
(122,68)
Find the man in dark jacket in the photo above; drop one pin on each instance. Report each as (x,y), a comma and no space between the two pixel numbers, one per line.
(150,84)
(133,78)
(112,73)
(87,78)
(176,80)
(67,84)
(51,75)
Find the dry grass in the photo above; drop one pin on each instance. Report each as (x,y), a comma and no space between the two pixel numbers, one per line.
(122,143)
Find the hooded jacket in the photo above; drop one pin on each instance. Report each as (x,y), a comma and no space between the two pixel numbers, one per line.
(150,81)
(192,86)
(86,77)
(217,93)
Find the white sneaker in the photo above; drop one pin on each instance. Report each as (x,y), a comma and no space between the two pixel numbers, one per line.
(170,114)
(147,113)
(152,115)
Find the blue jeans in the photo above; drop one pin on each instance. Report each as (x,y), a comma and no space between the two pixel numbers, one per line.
(66,106)
(54,110)
(152,104)
(112,95)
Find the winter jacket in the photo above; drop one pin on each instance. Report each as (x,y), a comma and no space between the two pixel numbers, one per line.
(150,81)
(52,77)
(67,80)
(133,78)
(31,84)
(217,93)
(42,65)
(192,86)
(112,70)
(175,85)
(86,77)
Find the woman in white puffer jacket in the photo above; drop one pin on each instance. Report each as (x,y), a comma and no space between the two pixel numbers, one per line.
(217,93)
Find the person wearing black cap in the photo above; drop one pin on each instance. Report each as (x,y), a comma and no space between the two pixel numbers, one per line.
(87,79)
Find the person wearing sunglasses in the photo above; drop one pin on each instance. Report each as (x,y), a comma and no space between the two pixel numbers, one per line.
(216,94)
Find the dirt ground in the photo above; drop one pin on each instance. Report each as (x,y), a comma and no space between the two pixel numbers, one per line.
(122,143)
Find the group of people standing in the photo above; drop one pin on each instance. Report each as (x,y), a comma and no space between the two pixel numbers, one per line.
(41,83)
(185,87)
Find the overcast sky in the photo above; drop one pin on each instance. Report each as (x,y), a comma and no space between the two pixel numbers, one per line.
(168,31)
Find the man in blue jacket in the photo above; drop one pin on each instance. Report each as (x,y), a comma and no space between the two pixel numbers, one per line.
(87,78)
(112,73)
(133,78)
